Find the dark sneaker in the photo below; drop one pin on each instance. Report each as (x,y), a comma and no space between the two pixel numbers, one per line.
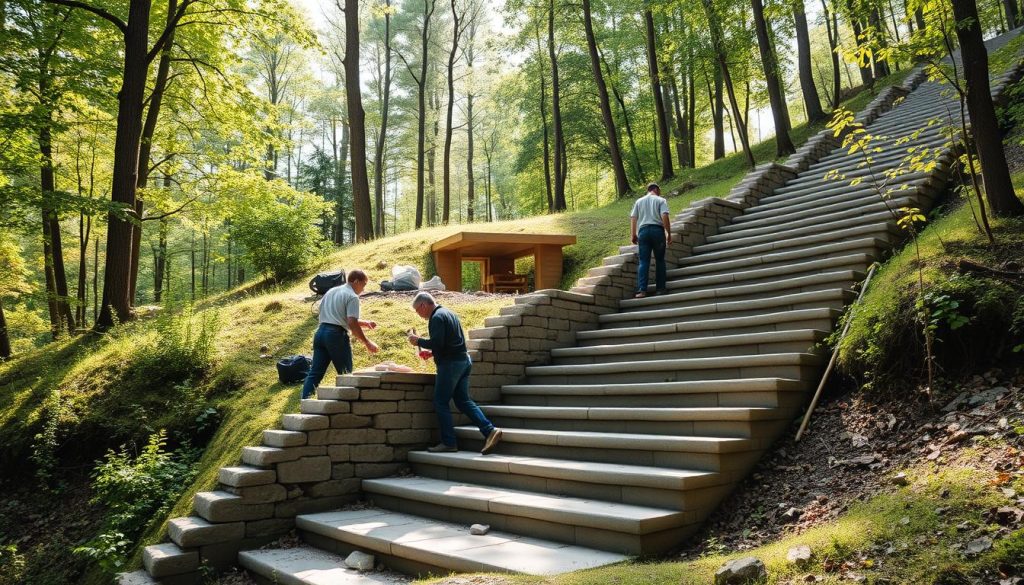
(442,448)
(661,292)
(492,441)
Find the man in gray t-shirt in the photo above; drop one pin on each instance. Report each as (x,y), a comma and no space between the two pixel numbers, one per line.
(651,230)
(339,318)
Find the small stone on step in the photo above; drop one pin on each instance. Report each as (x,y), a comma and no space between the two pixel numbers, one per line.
(479,529)
(360,561)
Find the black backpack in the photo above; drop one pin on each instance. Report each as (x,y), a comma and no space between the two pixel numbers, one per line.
(325,281)
(293,368)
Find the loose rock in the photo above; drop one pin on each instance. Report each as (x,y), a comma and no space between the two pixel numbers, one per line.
(741,571)
(799,555)
(479,529)
(360,561)
(979,545)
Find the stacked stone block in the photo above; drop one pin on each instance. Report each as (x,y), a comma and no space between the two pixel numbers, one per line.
(362,428)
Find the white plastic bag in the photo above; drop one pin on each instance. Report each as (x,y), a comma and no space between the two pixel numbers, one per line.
(433,284)
(405,277)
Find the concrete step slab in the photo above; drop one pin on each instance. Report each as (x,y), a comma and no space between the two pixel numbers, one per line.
(847,206)
(787,365)
(882,231)
(834,299)
(448,546)
(306,565)
(793,340)
(781,225)
(779,321)
(610,516)
(822,250)
(857,262)
(685,298)
(803,198)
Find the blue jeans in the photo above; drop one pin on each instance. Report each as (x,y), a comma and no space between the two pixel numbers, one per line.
(651,238)
(330,345)
(452,383)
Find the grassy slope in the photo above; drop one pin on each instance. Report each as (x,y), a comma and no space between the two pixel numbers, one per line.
(248,394)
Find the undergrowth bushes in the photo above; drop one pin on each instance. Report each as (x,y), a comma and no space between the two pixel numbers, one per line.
(135,491)
(141,378)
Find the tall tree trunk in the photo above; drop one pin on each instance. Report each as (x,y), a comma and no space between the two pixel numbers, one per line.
(855,23)
(716,98)
(638,167)
(116,304)
(542,80)
(878,26)
(1012,13)
(61,316)
(556,115)
(341,181)
(446,162)
(84,233)
(470,176)
(357,127)
(919,18)
(783,144)
(812,103)
(691,83)
(5,338)
(621,182)
(146,146)
(984,124)
(385,110)
(160,261)
(832,28)
(421,103)
(680,129)
(664,149)
(431,195)
(718,43)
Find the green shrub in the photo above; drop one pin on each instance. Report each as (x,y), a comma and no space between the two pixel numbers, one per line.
(280,236)
(12,565)
(144,376)
(135,492)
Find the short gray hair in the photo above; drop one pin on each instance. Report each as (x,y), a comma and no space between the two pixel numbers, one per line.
(423,298)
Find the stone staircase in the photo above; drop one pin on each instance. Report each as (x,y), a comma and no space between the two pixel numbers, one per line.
(622,443)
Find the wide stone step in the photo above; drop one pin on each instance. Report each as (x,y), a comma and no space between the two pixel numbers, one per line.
(824,250)
(894,135)
(826,225)
(795,340)
(305,565)
(857,262)
(833,210)
(832,298)
(855,165)
(682,452)
(420,545)
(766,392)
(784,365)
(921,190)
(617,527)
(929,140)
(740,292)
(606,475)
(781,321)
(833,191)
(734,422)
(882,231)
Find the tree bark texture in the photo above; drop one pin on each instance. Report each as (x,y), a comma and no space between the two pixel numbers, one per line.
(446,159)
(664,149)
(385,110)
(357,129)
(783,144)
(542,80)
(5,338)
(812,103)
(832,29)
(621,182)
(855,23)
(421,103)
(988,138)
(556,115)
(116,305)
(718,45)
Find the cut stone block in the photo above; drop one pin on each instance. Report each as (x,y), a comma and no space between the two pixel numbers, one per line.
(164,560)
(304,422)
(267,456)
(307,469)
(310,406)
(193,531)
(260,494)
(245,476)
(278,438)
(226,507)
(337,393)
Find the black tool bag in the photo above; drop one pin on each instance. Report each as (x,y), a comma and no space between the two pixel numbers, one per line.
(293,368)
(325,281)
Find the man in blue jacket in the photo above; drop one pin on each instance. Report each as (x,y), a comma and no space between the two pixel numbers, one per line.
(448,345)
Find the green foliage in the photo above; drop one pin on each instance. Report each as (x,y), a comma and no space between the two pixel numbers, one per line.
(277,226)
(135,490)
(12,565)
